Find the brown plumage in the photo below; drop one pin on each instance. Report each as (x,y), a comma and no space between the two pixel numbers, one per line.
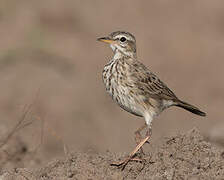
(134,87)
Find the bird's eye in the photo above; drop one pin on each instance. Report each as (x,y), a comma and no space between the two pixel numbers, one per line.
(123,39)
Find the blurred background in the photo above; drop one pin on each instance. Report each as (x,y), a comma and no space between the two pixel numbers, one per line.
(50,59)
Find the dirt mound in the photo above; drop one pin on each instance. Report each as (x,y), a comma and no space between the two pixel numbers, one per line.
(184,156)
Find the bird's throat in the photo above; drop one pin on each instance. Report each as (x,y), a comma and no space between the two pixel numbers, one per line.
(119,54)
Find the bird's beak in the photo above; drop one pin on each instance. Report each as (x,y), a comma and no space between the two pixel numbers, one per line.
(106,40)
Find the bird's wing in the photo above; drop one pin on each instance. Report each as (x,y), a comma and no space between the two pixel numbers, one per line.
(149,84)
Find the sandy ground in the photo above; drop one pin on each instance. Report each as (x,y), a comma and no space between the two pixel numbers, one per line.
(50,59)
(183,156)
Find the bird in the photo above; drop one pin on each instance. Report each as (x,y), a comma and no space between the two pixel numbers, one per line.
(136,89)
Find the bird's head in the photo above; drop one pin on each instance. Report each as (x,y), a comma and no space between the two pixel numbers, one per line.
(121,42)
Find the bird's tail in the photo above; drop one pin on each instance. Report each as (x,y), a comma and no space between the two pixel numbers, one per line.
(190,108)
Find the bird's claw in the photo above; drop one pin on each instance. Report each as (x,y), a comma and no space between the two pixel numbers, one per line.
(122,164)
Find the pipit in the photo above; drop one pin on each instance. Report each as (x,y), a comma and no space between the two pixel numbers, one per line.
(135,88)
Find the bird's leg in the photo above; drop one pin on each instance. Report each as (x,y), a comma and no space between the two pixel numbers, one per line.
(138,136)
(131,155)
(149,132)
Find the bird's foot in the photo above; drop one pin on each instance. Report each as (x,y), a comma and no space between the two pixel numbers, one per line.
(123,163)
(131,156)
